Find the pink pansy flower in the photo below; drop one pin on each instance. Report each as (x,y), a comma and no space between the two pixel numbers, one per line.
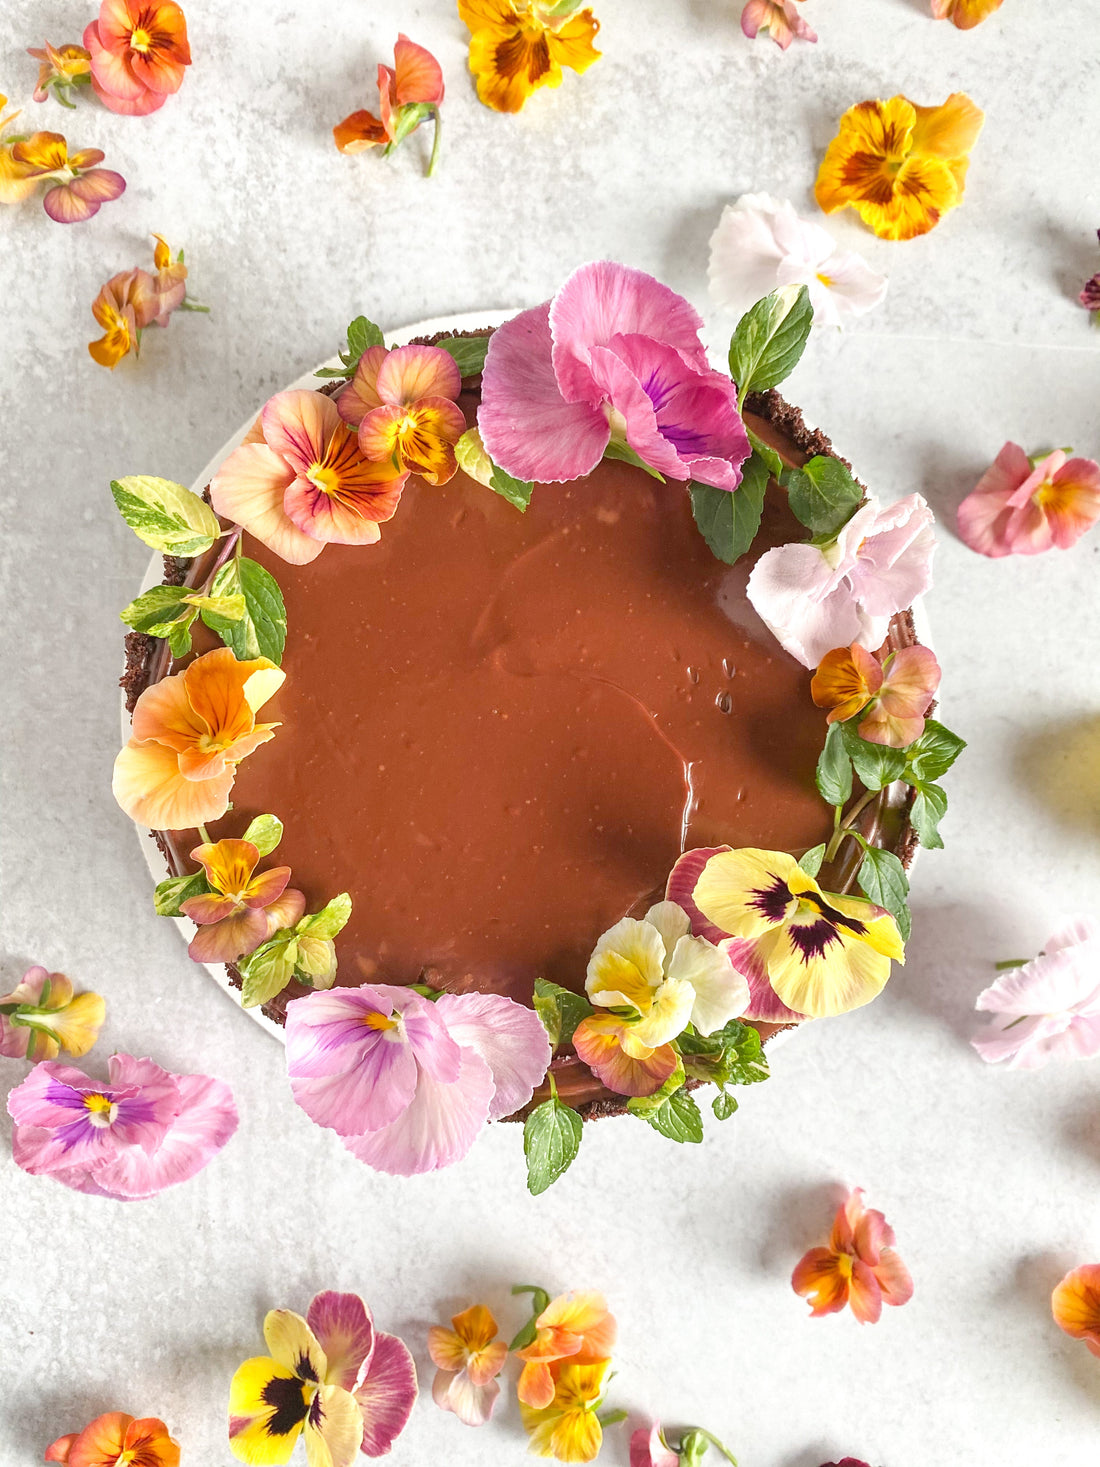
(893,695)
(80,187)
(1048,1008)
(468,1357)
(404,405)
(145,1130)
(761,243)
(299,481)
(42,1016)
(817,597)
(781,20)
(649,1447)
(139,52)
(408,1084)
(1022,506)
(614,359)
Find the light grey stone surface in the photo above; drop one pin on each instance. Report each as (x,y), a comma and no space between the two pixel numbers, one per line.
(990,1179)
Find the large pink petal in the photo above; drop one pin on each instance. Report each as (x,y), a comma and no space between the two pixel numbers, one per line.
(112,78)
(792,589)
(64,206)
(345,1331)
(298,425)
(346,521)
(437,1129)
(894,564)
(1067,978)
(99,186)
(1073,931)
(206,1121)
(386,1395)
(248,489)
(360,396)
(413,372)
(602,300)
(345,1074)
(984,514)
(527,427)
(509,1037)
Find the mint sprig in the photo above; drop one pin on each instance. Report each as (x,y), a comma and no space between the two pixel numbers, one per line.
(362,335)
(551,1140)
(822,495)
(728,519)
(260,631)
(769,340)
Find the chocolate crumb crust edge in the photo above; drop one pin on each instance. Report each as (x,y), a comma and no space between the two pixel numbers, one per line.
(787,420)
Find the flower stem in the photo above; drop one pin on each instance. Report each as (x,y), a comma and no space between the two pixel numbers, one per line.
(843,826)
(205,835)
(231,547)
(1011,963)
(434,159)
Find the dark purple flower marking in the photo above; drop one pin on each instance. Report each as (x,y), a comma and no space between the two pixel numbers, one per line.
(772,901)
(288,1405)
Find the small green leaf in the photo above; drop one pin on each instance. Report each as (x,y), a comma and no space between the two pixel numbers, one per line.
(173,892)
(648,1105)
(625,454)
(229,608)
(822,495)
(769,339)
(678,1118)
(362,335)
(834,768)
(929,808)
(729,519)
(774,461)
(811,861)
(261,631)
(265,833)
(515,491)
(723,1105)
(882,880)
(732,1056)
(330,920)
(179,638)
(316,961)
(560,1010)
(268,970)
(165,515)
(932,755)
(468,352)
(551,1140)
(154,611)
(876,764)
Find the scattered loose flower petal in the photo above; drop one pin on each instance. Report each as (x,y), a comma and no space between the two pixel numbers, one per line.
(42,1016)
(114,1439)
(404,405)
(817,597)
(1048,1008)
(61,68)
(900,166)
(964,14)
(568,1428)
(575,1326)
(761,243)
(649,1447)
(779,19)
(79,187)
(1075,1305)
(860,1267)
(518,46)
(300,481)
(893,696)
(242,910)
(408,1084)
(139,53)
(409,93)
(469,1358)
(145,1130)
(805,952)
(614,359)
(1023,506)
(188,734)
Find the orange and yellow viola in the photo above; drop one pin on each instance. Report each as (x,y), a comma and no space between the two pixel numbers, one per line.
(60,68)
(114,1439)
(893,695)
(860,1268)
(518,46)
(139,53)
(42,1016)
(964,14)
(575,1326)
(79,186)
(403,403)
(468,1358)
(241,909)
(409,93)
(568,1428)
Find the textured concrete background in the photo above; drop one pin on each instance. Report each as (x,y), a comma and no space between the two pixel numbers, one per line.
(990,1179)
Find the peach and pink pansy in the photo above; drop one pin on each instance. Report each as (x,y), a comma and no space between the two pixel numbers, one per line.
(189,732)
(42,1016)
(1075,1304)
(117,1439)
(139,54)
(135,299)
(143,1130)
(242,909)
(779,19)
(60,69)
(78,186)
(650,1447)
(404,405)
(409,93)
(805,953)
(1024,504)
(893,696)
(1048,1008)
(300,481)
(468,1358)
(614,364)
(859,1268)
(577,1327)
(408,1084)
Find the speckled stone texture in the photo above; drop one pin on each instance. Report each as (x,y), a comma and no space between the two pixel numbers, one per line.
(990,1179)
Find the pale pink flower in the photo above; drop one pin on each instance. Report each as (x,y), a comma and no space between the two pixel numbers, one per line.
(1018,508)
(648,1449)
(409,1084)
(781,20)
(1048,1008)
(614,359)
(145,1130)
(761,244)
(817,597)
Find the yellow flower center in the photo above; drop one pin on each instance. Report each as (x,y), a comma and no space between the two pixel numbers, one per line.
(826,280)
(322,477)
(140,40)
(383,1023)
(1046,494)
(101,1110)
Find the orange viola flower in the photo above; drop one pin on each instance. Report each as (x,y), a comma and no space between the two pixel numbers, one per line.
(518,46)
(409,93)
(241,910)
(964,14)
(115,1439)
(859,1267)
(900,166)
(575,1327)
(60,68)
(618,1058)
(139,52)
(1075,1305)
(895,694)
(124,307)
(189,733)
(568,1427)
(403,404)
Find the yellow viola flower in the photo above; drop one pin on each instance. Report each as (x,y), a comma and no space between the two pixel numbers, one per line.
(518,46)
(900,166)
(569,1428)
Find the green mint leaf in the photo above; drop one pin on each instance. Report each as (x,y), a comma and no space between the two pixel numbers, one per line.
(560,1010)
(822,495)
(173,892)
(166,516)
(882,880)
(769,340)
(515,491)
(330,920)
(834,768)
(265,833)
(179,637)
(729,519)
(229,608)
(678,1118)
(876,764)
(811,861)
(625,454)
(551,1140)
(342,372)
(929,808)
(155,611)
(261,631)
(774,461)
(723,1105)
(268,970)
(316,961)
(932,755)
(362,335)
(468,352)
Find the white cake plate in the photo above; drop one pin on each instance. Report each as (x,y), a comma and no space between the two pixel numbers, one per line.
(465,321)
